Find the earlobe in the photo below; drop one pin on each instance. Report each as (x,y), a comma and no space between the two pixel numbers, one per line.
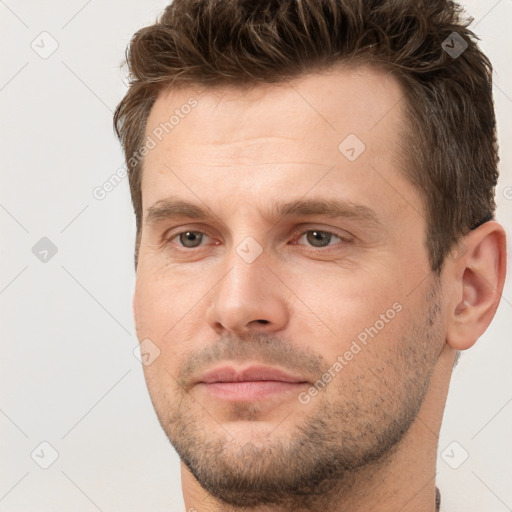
(479,277)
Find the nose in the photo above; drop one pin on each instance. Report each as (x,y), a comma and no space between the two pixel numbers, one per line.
(248,297)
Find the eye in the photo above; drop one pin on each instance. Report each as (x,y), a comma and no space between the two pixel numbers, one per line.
(314,238)
(319,238)
(189,239)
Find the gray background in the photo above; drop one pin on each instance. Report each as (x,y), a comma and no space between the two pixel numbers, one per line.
(68,374)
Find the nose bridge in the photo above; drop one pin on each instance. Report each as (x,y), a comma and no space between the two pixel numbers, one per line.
(245,281)
(247,263)
(247,295)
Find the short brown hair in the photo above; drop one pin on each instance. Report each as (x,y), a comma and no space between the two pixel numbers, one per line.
(451,147)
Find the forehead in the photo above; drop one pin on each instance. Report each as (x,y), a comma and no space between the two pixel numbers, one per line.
(276,137)
(340,99)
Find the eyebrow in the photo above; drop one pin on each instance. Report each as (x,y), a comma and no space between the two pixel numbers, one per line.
(172,207)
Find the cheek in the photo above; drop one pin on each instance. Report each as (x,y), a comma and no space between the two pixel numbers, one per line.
(350,302)
(169,311)
(151,307)
(369,316)
(161,301)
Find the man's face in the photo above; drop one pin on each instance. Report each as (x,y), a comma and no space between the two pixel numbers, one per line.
(352,318)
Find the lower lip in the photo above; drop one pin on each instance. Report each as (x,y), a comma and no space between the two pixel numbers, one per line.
(251,390)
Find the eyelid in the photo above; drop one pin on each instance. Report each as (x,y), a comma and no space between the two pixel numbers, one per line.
(302,231)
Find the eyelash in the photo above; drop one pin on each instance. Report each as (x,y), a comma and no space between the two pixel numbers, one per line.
(299,234)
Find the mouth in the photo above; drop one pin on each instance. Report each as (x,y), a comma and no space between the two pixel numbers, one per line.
(250,383)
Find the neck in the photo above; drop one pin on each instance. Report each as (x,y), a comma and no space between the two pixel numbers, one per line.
(404,481)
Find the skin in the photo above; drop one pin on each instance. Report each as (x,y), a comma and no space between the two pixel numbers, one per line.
(298,306)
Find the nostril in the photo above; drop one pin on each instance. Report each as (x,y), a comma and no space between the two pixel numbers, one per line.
(262,321)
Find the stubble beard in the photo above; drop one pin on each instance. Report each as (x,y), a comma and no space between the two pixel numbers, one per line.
(343,437)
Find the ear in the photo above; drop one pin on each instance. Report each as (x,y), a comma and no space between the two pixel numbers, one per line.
(477,278)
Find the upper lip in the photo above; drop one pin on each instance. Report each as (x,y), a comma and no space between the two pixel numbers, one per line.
(250,373)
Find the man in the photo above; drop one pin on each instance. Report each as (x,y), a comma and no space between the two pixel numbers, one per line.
(313,183)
